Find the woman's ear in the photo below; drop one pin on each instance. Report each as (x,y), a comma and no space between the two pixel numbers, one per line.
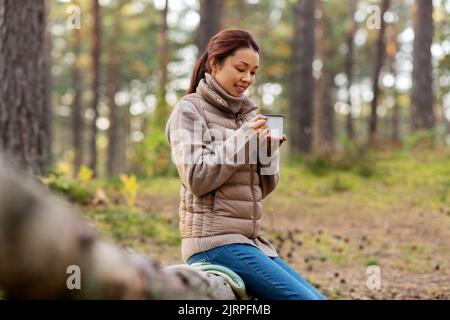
(213,66)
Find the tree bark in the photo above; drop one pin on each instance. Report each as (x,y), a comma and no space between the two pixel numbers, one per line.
(325,113)
(113,88)
(47,134)
(41,239)
(391,51)
(77,119)
(302,90)
(421,116)
(161,112)
(380,52)
(96,39)
(25,118)
(211,12)
(349,61)
(324,133)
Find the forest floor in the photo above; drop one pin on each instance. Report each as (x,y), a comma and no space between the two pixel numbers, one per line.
(330,221)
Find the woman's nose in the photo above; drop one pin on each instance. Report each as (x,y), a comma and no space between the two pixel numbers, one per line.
(246,78)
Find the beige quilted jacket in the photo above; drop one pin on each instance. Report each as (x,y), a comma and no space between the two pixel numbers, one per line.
(220,199)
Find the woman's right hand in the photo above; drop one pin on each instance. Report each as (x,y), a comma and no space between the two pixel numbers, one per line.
(258,123)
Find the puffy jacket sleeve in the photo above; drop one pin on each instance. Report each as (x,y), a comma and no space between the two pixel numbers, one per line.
(203,164)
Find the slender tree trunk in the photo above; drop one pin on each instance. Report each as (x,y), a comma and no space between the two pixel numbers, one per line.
(421,116)
(440,107)
(235,13)
(302,83)
(324,132)
(47,133)
(124,142)
(211,12)
(113,88)
(319,34)
(96,39)
(395,119)
(25,118)
(325,113)
(162,111)
(391,51)
(77,119)
(349,61)
(378,63)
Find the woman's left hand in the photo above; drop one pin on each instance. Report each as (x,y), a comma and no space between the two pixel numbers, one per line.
(264,134)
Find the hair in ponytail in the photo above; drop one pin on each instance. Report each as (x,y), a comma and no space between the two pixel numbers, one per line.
(222,45)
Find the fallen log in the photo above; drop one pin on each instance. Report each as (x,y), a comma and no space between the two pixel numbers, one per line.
(43,239)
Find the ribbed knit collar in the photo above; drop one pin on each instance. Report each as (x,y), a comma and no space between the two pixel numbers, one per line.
(235,103)
(211,90)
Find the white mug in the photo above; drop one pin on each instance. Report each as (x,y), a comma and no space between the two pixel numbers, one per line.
(275,124)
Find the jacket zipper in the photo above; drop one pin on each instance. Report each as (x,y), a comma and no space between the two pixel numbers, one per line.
(252,188)
(254,200)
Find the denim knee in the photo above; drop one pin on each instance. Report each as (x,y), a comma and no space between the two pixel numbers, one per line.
(198,257)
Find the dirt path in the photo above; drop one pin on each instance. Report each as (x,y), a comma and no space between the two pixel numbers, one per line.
(409,244)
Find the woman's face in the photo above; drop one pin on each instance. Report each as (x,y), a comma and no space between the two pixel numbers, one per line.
(237,72)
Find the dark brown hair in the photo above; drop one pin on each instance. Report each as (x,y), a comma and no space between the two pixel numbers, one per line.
(222,45)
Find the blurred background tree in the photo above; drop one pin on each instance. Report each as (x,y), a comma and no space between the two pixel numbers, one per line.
(337,78)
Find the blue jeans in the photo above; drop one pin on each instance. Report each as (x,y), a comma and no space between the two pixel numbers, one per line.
(265,278)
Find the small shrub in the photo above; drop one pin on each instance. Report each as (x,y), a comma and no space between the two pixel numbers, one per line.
(370,261)
(153,155)
(338,184)
(422,139)
(85,175)
(129,188)
(68,186)
(359,160)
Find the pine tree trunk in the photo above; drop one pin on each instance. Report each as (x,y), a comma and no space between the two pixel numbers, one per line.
(161,113)
(124,142)
(324,132)
(391,51)
(349,61)
(77,120)
(378,63)
(395,119)
(96,38)
(113,88)
(421,116)
(211,12)
(302,89)
(25,115)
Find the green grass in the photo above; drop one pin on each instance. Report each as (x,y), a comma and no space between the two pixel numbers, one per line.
(161,185)
(352,198)
(133,227)
(370,261)
(424,178)
(313,191)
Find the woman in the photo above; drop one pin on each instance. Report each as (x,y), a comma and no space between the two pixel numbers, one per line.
(220,205)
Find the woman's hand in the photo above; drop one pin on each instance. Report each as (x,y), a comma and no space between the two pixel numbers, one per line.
(258,123)
(264,135)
